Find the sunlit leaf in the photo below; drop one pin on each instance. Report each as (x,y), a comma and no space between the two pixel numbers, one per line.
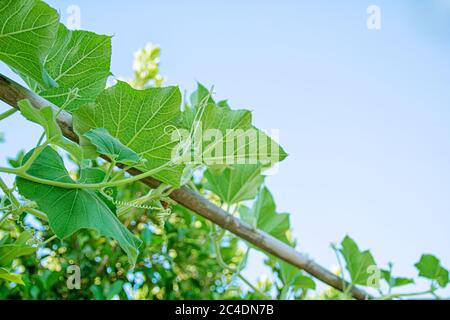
(141,120)
(79,61)
(263,216)
(220,136)
(27,31)
(430,267)
(357,262)
(236,183)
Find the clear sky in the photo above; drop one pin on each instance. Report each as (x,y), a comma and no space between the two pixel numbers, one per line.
(364,114)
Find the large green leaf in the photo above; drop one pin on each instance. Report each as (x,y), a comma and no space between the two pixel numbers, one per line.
(70,210)
(263,216)
(236,183)
(430,267)
(357,262)
(220,136)
(108,145)
(79,61)
(140,120)
(27,31)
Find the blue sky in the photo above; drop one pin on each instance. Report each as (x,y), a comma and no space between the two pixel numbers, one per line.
(363,114)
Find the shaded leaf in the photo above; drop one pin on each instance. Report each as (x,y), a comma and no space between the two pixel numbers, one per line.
(46,117)
(108,145)
(97,175)
(70,210)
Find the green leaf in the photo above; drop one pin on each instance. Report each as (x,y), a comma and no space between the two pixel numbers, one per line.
(113,289)
(263,216)
(46,117)
(140,120)
(201,95)
(70,210)
(9,252)
(11,277)
(236,183)
(108,145)
(97,175)
(17,161)
(395,281)
(220,137)
(430,267)
(91,175)
(292,276)
(79,61)
(357,262)
(27,31)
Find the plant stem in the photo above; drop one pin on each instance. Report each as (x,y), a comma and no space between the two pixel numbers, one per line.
(16,202)
(336,251)
(37,213)
(37,151)
(8,113)
(8,193)
(237,271)
(110,170)
(19,172)
(139,201)
(259,292)
(49,240)
(284,293)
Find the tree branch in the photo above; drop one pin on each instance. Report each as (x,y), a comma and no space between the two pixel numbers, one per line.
(12,92)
